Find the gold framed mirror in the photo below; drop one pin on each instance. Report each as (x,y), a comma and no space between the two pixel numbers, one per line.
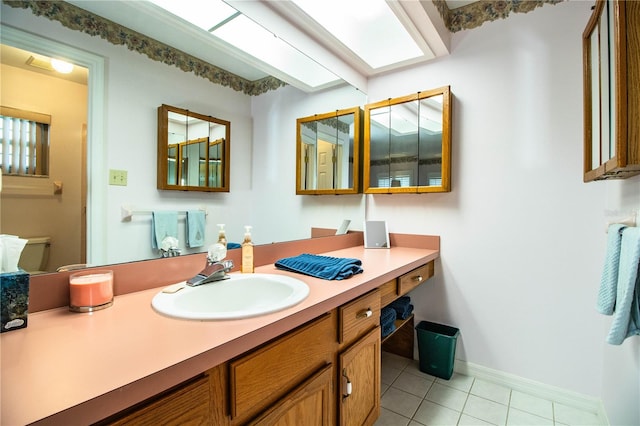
(328,153)
(193,151)
(407,143)
(611,91)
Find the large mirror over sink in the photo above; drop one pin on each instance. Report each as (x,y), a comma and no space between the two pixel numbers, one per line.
(193,151)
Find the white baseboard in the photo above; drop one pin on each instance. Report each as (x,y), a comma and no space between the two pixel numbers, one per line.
(541,390)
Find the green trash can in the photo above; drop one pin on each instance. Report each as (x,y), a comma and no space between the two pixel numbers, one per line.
(437,348)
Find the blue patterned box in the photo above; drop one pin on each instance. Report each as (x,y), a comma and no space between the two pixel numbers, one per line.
(14,300)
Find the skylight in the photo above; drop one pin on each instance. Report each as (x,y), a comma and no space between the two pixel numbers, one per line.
(227,24)
(203,14)
(369,28)
(253,39)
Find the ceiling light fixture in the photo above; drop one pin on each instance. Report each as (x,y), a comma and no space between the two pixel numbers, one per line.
(61,66)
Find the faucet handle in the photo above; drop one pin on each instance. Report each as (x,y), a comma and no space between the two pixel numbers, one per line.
(216,253)
(228,265)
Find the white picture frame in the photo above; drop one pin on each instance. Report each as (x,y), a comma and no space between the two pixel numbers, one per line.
(376,234)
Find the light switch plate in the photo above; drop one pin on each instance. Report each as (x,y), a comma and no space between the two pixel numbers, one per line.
(118,177)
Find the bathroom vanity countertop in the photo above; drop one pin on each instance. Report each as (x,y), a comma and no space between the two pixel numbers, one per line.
(71,368)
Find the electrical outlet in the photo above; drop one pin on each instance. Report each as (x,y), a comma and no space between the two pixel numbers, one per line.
(118,177)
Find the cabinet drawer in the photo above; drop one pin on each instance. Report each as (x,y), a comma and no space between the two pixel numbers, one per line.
(412,279)
(388,292)
(259,379)
(359,316)
(189,404)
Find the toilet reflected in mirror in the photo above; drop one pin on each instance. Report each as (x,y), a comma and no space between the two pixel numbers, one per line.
(35,256)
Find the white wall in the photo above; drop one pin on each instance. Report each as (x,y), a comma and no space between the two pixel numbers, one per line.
(274,159)
(143,85)
(519,222)
(522,236)
(621,364)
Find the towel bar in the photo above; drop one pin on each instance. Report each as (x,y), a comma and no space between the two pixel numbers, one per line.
(631,220)
(126,212)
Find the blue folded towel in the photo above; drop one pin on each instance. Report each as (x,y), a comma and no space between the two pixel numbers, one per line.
(403,307)
(233,246)
(163,224)
(326,267)
(195,228)
(387,320)
(626,319)
(609,281)
(387,315)
(387,329)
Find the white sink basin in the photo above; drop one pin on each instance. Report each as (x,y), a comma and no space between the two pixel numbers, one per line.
(241,296)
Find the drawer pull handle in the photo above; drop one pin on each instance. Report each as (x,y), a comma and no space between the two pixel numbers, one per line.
(418,278)
(348,388)
(365,314)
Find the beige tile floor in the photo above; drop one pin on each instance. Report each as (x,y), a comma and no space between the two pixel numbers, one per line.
(413,398)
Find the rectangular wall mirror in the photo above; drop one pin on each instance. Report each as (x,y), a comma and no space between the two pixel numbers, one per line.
(407,143)
(328,153)
(193,151)
(611,91)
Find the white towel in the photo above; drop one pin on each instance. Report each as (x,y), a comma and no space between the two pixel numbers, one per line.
(626,319)
(163,224)
(609,281)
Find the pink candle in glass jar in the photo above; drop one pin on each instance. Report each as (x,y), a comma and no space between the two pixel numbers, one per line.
(90,290)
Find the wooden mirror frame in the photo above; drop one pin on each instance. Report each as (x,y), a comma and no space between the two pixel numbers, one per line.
(356,171)
(445,185)
(611,91)
(163,147)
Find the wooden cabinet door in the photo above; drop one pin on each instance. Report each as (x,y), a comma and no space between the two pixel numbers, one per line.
(264,376)
(359,373)
(309,404)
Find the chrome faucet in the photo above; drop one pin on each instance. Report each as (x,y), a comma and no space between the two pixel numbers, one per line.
(171,252)
(214,271)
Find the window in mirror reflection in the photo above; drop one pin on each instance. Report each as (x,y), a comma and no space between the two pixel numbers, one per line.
(407,143)
(193,151)
(328,150)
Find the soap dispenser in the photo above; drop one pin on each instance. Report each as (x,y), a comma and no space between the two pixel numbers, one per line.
(247,251)
(222,239)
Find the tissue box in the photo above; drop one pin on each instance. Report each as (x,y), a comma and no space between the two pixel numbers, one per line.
(14,300)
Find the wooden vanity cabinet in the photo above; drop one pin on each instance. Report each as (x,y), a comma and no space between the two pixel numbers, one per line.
(401,341)
(359,360)
(186,404)
(324,372)
(359,369)
(291,376)
(311,403)
(413,279)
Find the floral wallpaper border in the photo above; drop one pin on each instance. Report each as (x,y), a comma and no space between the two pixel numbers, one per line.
(79,19)
(475,14)
(467,17)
